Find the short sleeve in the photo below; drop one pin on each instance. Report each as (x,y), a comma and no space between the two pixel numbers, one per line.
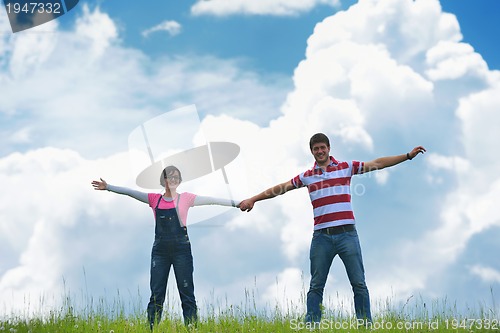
(297,182)
(153,199)
(188,198)
(357,167)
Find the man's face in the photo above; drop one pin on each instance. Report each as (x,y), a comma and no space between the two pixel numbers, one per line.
(321,152)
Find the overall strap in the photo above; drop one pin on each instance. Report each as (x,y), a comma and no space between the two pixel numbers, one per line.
(158,203)
(177,210)
(176,204)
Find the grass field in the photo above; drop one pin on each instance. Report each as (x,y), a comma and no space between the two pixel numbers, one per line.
(414,315)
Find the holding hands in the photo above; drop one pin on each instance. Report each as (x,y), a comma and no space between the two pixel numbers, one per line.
(246,205)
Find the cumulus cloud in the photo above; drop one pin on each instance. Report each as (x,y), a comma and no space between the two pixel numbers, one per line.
(449,60)
(59,229)
(257,7)
(468,208)
(487,274)
(173,28)
(50,76)
(449,163)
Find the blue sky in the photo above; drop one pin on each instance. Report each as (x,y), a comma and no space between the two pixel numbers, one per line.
(269,42)
(379,77)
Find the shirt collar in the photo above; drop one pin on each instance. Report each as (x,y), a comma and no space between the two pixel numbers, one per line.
(333,161)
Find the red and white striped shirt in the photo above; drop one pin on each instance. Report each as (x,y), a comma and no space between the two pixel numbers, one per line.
(330,192)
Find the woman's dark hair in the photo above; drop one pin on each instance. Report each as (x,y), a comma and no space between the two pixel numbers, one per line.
(319,138)
(167,172)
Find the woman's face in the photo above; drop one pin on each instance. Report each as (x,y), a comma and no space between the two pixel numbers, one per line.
(173,180)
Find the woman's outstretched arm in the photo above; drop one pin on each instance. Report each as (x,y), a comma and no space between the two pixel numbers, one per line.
(103,185)
(203,200)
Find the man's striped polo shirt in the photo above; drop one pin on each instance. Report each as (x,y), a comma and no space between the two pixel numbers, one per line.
(330,192)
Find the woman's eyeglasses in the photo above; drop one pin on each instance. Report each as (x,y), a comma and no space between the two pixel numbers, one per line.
(173,178)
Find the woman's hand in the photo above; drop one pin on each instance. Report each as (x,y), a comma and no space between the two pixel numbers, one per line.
(100,185)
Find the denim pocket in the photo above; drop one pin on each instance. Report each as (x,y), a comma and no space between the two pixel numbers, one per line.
(353,233)
(183,239)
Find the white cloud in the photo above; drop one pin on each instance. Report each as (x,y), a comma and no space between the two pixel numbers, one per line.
(486,274)
(173,28)
(97,29)
(449,163)
(21,136)
(288,288)
(405,28)
(471,207)
(59,227)
(32,50)
(450,60)
(479,116)
(382,176)
(257,7)
(49,78)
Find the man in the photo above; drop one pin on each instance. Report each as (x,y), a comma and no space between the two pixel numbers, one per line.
(328,183)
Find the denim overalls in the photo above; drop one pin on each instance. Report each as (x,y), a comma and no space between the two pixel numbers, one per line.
(171,247)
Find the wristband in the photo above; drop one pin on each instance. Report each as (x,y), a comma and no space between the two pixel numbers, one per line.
(408,156)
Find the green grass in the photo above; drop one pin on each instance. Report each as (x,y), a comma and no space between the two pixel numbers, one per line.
(414,315)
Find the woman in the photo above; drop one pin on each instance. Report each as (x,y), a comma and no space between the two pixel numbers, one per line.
(171,245)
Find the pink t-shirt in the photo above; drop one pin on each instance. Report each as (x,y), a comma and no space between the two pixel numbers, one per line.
(186,201)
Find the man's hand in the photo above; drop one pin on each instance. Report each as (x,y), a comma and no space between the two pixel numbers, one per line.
(415,151)
(246,205)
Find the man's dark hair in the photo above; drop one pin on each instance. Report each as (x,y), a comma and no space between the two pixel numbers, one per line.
(319,138)
(167,172)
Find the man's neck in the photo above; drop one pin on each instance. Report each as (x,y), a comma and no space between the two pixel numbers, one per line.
(324,164)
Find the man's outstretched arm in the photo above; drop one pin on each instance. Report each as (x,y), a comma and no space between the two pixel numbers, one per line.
(247,204)
(389,161)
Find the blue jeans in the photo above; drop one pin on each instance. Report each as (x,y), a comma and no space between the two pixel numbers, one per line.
(324,248)
(176,252)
